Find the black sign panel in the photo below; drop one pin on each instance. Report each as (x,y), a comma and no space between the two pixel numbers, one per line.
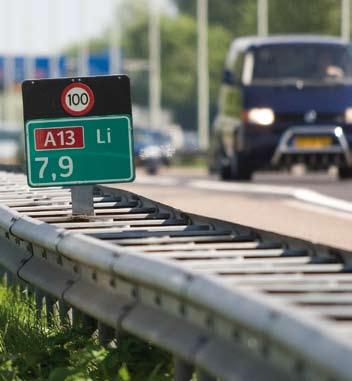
(52,98)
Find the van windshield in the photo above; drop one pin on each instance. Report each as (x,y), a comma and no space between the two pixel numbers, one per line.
(318,63)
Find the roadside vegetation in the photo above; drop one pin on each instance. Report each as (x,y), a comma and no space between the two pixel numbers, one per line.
(32,350)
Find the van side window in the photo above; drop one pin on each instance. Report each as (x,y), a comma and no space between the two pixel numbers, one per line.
(248,65)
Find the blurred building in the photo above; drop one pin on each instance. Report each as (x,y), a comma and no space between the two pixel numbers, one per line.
(13,70)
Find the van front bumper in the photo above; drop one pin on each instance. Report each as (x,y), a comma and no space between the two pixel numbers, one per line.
(277,148)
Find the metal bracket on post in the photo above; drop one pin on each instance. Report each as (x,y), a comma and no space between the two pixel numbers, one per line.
(82,201)
(183,371)
(203,376)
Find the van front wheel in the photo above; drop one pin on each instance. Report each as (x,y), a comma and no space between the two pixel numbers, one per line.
(345,173)
(235,168)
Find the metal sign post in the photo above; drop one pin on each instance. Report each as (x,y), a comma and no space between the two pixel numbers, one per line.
(78,131)
(82,200)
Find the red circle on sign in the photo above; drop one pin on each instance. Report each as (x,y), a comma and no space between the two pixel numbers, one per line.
(75,109)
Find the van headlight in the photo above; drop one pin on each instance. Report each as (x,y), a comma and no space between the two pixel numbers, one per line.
(348,115)
(262,116)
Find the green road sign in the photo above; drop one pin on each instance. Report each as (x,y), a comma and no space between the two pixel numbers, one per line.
(78,130)
(74,151)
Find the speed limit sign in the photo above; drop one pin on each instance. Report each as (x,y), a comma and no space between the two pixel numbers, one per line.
(77,99)
(78,130)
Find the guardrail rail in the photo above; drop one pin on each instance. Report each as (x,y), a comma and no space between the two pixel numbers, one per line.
(228,301)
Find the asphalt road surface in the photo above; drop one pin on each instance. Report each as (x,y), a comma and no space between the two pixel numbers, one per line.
(316,207)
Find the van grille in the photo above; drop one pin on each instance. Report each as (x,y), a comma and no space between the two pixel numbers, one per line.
(290,119)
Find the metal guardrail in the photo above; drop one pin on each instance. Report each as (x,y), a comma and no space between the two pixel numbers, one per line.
(231,302)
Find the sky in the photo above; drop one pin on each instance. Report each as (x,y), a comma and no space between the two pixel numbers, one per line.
(46,26)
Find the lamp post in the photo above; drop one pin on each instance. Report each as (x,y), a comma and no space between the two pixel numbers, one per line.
(154,64)
(29,60)
(345,19)
(114,45)
(203,74)
(9,73)
(54,67)
(262,18)
(83,67)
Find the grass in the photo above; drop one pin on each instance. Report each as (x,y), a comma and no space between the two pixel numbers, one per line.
(31,350)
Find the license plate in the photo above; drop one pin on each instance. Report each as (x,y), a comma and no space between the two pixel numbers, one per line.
(312,141)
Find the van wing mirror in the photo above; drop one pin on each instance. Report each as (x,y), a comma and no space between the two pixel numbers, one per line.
(228,77)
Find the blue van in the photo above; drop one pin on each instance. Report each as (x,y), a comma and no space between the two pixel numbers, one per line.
(284,100)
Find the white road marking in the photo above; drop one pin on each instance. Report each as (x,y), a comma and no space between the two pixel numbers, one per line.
(152,180)
(301,194)
(318,209)
(316,198)
(241,187)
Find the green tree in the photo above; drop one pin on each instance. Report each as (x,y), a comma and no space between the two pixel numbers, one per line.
(179,62)
(285,16)
(238,17)
(227,19)
(302,16)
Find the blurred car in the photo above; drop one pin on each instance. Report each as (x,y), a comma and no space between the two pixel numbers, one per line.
(284,100)
(152,148)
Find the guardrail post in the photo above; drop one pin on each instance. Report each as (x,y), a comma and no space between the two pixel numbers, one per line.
(203,376)
(38,303)
(105,334)
(49,304)
(76,317)
(10,279)
(30,290)
(82,200)
(63,312)
(89,323)
(23,288)
(183,371)
(2,275)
